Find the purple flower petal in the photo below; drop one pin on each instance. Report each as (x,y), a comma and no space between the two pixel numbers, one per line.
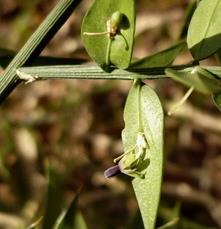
(112,171)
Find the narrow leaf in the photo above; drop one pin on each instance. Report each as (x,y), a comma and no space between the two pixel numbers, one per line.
(120,46)
(217,100)
(35,44)
(204,34)
(78,222)
(54,199)
(72,218)
(215,70)
(170,224)
(143,111)
(36,224)
(160,59)
(198,78)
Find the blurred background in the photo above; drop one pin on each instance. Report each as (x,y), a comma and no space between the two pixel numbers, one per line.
(74,127)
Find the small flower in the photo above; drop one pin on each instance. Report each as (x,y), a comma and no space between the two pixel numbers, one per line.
(134,162)
(112,171)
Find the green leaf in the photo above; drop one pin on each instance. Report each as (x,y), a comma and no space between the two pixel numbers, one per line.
(198,78)
(188,15)
(160,59)
(143,110)
(54,200)
(121,46)
(71,218)
(215,70)
(204,33)
(36,224)
(217,100)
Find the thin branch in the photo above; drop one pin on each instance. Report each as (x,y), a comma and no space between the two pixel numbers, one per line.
(92,72)
(30,74)
(181,102)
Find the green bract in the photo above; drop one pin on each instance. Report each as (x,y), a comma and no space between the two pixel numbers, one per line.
(108,32)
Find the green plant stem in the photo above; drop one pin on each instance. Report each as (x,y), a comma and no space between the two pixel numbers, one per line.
(181,102)
(35,44)
(108,51)
(94,72)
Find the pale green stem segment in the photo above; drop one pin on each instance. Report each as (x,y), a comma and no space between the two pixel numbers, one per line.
(95,34)
(181,102)
(108,52)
